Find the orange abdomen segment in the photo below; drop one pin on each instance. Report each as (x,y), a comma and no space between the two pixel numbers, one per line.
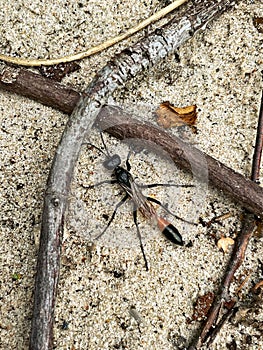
(169,231)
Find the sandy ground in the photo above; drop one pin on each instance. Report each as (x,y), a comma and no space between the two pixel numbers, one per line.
(106,299)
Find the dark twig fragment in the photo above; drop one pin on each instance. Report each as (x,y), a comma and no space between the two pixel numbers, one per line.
(258,146)
(220,324)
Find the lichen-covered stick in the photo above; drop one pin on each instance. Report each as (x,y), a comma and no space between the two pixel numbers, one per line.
(123,67)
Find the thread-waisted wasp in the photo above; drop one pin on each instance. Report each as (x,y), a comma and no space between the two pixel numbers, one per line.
(140,202)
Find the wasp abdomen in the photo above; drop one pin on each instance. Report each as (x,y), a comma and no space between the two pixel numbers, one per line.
(169,231)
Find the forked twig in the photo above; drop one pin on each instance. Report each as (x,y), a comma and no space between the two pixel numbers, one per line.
(211,327)
(237,257)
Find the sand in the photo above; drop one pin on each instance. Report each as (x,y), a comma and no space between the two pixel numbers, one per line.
(106,299)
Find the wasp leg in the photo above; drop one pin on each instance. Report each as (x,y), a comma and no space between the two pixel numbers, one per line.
(101,183)
(168,211)
(128,165)
(113,215)
(140,238)
(96,147)
(104,144)
(164,185)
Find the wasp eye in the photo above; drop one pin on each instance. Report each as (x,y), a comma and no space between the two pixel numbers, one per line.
(112,162)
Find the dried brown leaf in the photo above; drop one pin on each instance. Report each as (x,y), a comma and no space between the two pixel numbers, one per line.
(224,243)
(171,116)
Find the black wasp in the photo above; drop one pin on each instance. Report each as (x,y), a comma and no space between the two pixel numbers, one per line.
(140,202)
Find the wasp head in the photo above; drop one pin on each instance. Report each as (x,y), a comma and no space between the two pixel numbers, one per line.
(112,162)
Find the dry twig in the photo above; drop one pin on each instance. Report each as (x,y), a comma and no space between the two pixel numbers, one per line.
(258,146)
(56,95)
(212,326)
(122,125)
(209,329)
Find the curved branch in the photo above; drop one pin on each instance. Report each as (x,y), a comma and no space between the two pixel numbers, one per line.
(113,76)
(96,49)
(246,192)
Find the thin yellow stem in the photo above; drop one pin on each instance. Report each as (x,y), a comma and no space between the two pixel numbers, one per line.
(78,56)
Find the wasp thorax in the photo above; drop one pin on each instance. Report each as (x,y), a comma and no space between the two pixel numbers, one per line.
(112,162)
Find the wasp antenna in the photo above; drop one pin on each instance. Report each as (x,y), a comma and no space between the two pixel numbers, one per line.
(104,144)
(97,148)
(128,165)
(169,231)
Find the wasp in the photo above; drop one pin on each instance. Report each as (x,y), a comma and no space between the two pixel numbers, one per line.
(141,203)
